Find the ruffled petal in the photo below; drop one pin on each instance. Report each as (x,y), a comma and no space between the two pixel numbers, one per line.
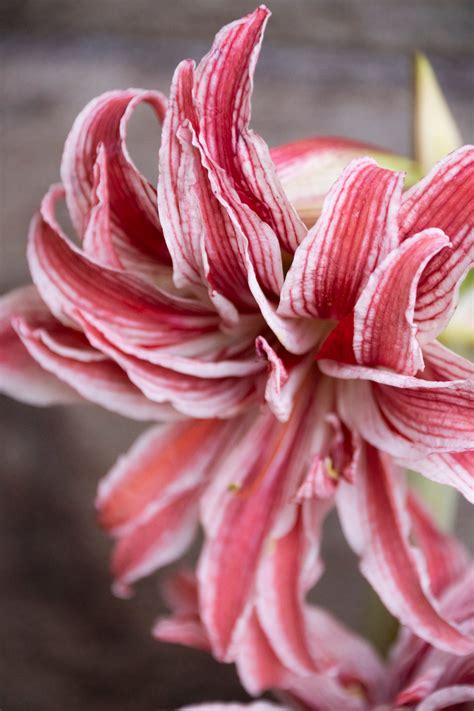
(408,417)
(384,330)
(289,567)
(69,281)
(224,81)
(443,199)
(100,132)
(377,526)
(149,500)
(197,229)
(356,230)
(65,354)
(21,376)
(257,485)
(192,396)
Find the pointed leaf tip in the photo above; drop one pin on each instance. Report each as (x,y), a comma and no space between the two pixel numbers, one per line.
(435,133)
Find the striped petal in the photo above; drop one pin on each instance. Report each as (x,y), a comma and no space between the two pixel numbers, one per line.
(199,234)
(149,500)
(377,526)
(289,568)
(257,486)
(356,230)
(21,376)
(309,167)
(444,200)
(426,426)
(69,281)
(98,140)
(67,356)
(223,89)
(383,330)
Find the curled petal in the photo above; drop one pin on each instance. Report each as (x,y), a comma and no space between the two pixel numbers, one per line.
(67,355)
(197,229)
(21,376)
(289,567)
(155,541)
(164,462)
(192,396)
(223,88)
(384,330)
(377,527)
(69,281)
(98,238)
(284,379)
(356,230)
(443,199)
(240,509)
(102,126)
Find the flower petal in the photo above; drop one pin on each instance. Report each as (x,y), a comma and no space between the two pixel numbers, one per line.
(444,698)
(356,230)
(155,541)
(66,354)
(102,125)
(21,376)
(454,469)
(384,330)
(307,169)
(289,567)
(446,559)
(192,396)
(163,463)
(256,485)
(224,81)
(443,199)
(197,229)
(376,524)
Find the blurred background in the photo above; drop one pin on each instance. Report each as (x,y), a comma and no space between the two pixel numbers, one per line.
(327,67)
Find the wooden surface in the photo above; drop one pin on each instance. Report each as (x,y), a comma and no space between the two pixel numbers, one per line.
(329,67)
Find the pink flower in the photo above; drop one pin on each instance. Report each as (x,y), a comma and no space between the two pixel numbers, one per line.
(184,310)
(347,674)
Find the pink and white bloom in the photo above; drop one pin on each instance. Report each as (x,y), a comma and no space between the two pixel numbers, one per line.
(301,364)
(416,677)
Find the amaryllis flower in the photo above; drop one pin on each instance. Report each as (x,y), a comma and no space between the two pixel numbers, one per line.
(292,330)
(356,381)
(349,676)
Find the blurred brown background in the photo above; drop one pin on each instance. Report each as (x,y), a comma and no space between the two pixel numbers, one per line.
(328,66)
